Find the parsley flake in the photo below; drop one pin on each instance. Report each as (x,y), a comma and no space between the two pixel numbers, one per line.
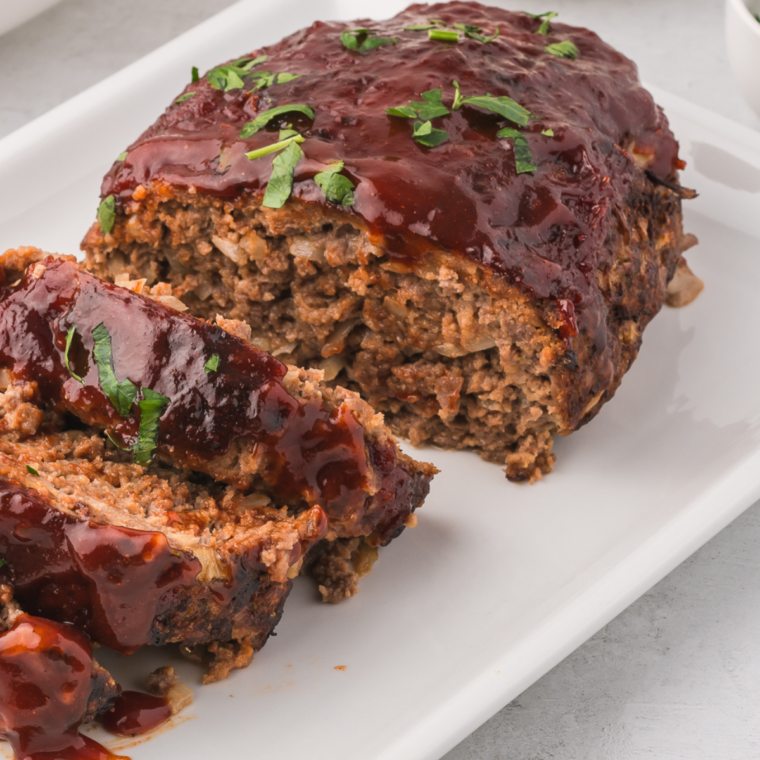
(107,213)
(194,74)
(425,134)
(274,147)
(523,156)
(230,76)
(120,394)
(443,35)
(183,98)
(546,16)
(337,188)
(69,338)
(266,79)
(151,408)
(122,156)
(362,40)
(30,469)
(280,183)
(547,132)
(501,105)
(212,365)
(265,117)
(430,107)
(564,49)
(474,32)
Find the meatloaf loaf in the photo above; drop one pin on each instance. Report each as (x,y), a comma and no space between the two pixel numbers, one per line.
(182,516)
(468,214)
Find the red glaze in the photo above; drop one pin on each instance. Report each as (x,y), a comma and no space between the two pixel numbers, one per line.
(109,581)
(45,682)
(134,713)
(312,455)
(543,231)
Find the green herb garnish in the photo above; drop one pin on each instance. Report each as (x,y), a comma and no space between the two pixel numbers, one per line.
(473,32)
(430,107)
(443,35)
(546,16)
(523,156)
(122,156)
(151,407)
(194,74)
(362,40)
(564,49)
(501,105)
(337,188)
(2,562)
(266,79)
(31,469)
(69,338)
(287,132)
(183,98)
(266,116)
(547,132)
(280,183)
(120,394)
(107,213)
(425,134)
(212,365)
(230,77)
(274,147)
(424,27)
(114,441)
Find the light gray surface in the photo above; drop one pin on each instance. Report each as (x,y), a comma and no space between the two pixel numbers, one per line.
(677,675)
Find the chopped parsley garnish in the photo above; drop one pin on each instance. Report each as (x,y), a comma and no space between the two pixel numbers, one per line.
(287,132)
(523,156)
(151,408)
(183,98)
(274,147)
(69,338)
(430,107)
(443,35)
(230,77)
(474,32)
(425,134)
(337,188)
(212,365)
(362,40)
(424,27)
(107,213)
(547,132)
(194,74)
(266,116)
(501,105)
(120,394)
(30,469)
(546,16)
(267,79)
(122,156)
(564,49)
(280,183)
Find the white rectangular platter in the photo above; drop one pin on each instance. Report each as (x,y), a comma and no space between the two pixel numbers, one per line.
(499,582)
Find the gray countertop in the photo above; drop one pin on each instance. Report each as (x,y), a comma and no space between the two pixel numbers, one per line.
(675,676)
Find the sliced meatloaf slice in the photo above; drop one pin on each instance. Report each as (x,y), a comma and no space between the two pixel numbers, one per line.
(49,682)
(484,216)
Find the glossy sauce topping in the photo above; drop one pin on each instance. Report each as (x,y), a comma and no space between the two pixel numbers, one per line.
(109,581)
(311,454)
(45,683)
(135,713)
(544,231)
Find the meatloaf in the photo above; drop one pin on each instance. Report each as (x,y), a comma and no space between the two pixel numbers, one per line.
(466,213)
(181,517)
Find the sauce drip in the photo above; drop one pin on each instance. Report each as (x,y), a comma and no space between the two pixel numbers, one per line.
(543,231)
(46,672)
(311,454)
(111,582)
(135,713)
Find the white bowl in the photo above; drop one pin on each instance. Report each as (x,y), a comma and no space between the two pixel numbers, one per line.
(743,42)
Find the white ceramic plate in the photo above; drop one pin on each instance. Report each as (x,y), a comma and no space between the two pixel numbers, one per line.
(499,582)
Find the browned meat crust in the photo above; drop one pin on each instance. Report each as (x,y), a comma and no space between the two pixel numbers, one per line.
(476,306)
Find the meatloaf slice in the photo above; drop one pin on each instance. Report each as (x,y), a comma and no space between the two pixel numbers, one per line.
(482,274)
(49,682)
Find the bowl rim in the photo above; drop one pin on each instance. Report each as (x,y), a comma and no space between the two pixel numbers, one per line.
(740,7)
